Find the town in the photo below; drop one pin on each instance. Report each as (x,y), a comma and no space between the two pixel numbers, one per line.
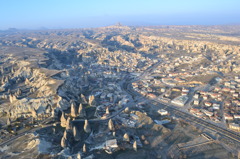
(148,92)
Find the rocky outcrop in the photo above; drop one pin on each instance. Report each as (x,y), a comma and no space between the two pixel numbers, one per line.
(107,111)
(18,93)
(63,120)
(135,145)
(81,111)
(83,99)
(73,110)
(110,125)
(87,127)
(84,148)
(79,156)
(62,103)
(91,100)
(34,113)
(68,124)
(76,134)
(8,121)
(64,140)
(126,110)
(12,98)
(126,137)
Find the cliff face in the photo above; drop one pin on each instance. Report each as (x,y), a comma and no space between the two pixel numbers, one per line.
(43,92)
(29,87)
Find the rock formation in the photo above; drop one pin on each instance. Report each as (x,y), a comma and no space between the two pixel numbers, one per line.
(84,148)
(63,142)
(65,134)
(81,111)
(63,120)
(107,111)
(68,124)
(12,98)
(91,100)
(110,125)
(76,134)
(73,109)
(135,145)
(126,110)
(83,99)
(18,93)
(8,122)
(126,137)
(34,113)
(87,127)
(79,156)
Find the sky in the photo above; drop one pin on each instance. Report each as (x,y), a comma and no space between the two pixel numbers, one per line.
(53,14)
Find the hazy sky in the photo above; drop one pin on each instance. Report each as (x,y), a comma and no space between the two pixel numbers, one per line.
(93,13)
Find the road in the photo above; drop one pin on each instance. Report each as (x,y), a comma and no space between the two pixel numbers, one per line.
(22,134)
(26,132)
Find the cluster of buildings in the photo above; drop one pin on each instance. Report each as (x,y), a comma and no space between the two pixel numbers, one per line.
(217,100)
(220,104)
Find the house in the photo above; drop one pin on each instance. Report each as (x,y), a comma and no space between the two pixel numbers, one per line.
(208,113)
(199,114)
(150,95)
(111,143)
(234,126)
(193,110)
(235,95)
(181,100)
(215,95)
(217,89)
(111,146)
(185,90)
(227,103)
(196,102)
(205,97)
(196,96)
(226,89)
(216,106)
(228,116)
(208,104)
(236,116)
(163,90)
(162,112)
(184,93)
(161,122)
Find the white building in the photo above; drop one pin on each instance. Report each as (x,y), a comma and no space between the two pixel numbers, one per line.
(162,112)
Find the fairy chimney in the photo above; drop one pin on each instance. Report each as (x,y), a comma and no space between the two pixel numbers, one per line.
(87,127)
(81,111)
(110,125)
